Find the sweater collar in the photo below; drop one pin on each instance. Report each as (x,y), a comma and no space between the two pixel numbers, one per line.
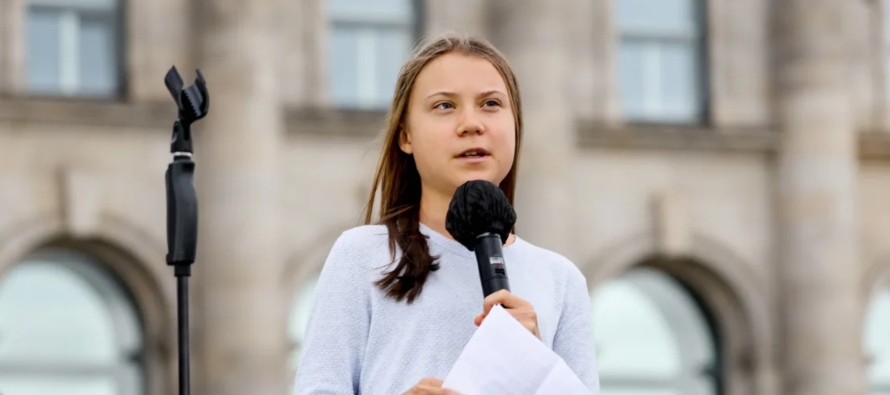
(453,246)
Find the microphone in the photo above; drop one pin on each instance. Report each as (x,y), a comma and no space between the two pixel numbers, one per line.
(480,218)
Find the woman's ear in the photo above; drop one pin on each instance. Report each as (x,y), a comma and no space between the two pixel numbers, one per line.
(405,141)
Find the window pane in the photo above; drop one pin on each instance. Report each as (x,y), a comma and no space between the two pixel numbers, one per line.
(58,385)
(635,97)
(364,64)
(299,318)
(632,335)
(343,66)
(78,4)
(657,17)
(651,337)
(65,323)
(43,50)
(48,313)
(679,74)
(659,81)
(98,66)
(393,50)
(877,340)
(383,11)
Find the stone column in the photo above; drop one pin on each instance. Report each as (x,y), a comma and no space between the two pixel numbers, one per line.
(593,51)
(532,36)
(302,59)
(13,62)
(818,260)
(240,337)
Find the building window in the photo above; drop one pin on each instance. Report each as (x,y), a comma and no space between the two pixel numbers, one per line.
(877,344)
(299,318)
(67,327)
(653,338)
(369,40)
(73,47)
(660,60)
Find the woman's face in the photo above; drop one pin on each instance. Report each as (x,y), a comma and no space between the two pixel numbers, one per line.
(459,124)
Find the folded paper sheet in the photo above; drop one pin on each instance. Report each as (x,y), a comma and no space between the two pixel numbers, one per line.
(503,357)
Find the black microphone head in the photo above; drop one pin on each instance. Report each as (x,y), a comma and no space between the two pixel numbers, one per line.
(479,207)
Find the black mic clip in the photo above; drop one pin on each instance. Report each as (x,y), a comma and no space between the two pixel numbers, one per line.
(192,104)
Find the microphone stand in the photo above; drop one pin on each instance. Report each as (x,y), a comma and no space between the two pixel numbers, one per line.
(182,203)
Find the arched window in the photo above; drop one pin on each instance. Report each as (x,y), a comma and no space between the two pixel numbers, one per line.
(877,344)
(298,319)
(652,337)
(67,327)
(74,47)
(660,63)
(369,40)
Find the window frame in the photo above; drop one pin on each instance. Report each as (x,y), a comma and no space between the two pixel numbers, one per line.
(116,18)
(415,26)
(699,42)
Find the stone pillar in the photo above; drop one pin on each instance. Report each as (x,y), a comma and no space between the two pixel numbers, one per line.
(13,62)
(241,342)
(303,56)
(532,36)
(818,260)
(593,51)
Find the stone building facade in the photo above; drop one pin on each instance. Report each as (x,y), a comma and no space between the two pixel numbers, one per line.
(719,170)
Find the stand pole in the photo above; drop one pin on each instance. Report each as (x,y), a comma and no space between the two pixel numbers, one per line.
(182,204)
(182,301)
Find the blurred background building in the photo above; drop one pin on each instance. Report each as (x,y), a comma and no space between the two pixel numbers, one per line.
(719,170)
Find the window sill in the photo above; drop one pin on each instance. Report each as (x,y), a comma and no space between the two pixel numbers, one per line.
(677,137)
(874,145)
(364,124)
(87,112)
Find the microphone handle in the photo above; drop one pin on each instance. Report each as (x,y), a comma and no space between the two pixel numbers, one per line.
(490,259)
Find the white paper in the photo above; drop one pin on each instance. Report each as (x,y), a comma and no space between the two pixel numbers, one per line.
(503,357)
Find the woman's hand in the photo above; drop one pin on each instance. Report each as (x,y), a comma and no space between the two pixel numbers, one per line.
(520,309)
(429,386)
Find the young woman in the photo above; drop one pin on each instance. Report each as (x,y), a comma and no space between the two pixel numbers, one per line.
(397,301)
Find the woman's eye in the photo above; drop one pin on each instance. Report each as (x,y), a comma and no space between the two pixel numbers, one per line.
(444,106)
(492,103)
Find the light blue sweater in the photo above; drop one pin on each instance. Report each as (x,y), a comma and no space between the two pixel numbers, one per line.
(358,341)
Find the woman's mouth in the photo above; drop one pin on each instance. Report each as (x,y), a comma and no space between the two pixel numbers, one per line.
(474,155)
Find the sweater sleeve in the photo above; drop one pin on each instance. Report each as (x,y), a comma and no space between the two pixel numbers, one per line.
(574,334)
(337,326)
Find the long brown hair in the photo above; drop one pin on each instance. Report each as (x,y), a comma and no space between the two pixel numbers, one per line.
(397,176)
